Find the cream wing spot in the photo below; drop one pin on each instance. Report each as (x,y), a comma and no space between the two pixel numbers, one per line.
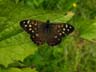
(28,21)
(30,29)
(32,22)
(24,22)
(30,25)
(37,34)
(61,25)
(25,25)
(55,36)
(58,26)
(70,27)
(68,30)
(63,32)
(66,26)
(33,36)
(60,34)
(58,39)
(35,24)
(64,29)
(35,28)
(58,31)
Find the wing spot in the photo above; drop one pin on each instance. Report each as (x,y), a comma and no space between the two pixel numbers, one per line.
(35,28)
(58,39)
(32,22)
(60,34)
(63,32)
(58,26)
(25,25)
(64,29)
(33,36)
(30,25)
(61,25)
(28,21)
(37,34)
(35,24)
(66,26)
(58,31)
(68,30)
(70,27)
(24,22)
(55,36)
(30,29)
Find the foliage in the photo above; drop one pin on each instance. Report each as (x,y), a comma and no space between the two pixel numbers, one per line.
(76,53)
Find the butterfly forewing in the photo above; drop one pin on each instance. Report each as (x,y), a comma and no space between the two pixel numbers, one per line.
(34,28)
(29,26)
(58,31)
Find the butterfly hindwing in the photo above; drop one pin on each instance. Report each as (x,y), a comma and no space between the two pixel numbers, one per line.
(58,31)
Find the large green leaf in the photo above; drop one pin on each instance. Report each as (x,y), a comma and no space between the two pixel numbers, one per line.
(90,32)
(15,44)
(18,70)
(74,54)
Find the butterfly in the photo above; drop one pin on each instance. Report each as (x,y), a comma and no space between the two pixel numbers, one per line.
(41,32)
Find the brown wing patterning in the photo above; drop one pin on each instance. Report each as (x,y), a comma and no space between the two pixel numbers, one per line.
(33,28)
(41,32)
(58,31)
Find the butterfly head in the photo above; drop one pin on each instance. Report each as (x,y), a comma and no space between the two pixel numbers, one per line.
(46,26)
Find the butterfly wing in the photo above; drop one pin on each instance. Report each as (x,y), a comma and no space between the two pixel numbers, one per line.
(58,31)
(34,28)
(39,36)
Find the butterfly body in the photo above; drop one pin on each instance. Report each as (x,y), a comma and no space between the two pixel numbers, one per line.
(46,27)
(41,32)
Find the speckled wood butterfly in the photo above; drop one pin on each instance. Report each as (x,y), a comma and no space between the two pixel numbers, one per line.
(41,32)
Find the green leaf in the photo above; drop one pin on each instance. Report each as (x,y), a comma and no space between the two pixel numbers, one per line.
(72,55)
(90,32)
(18,70)
(10,54)
(15,44)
